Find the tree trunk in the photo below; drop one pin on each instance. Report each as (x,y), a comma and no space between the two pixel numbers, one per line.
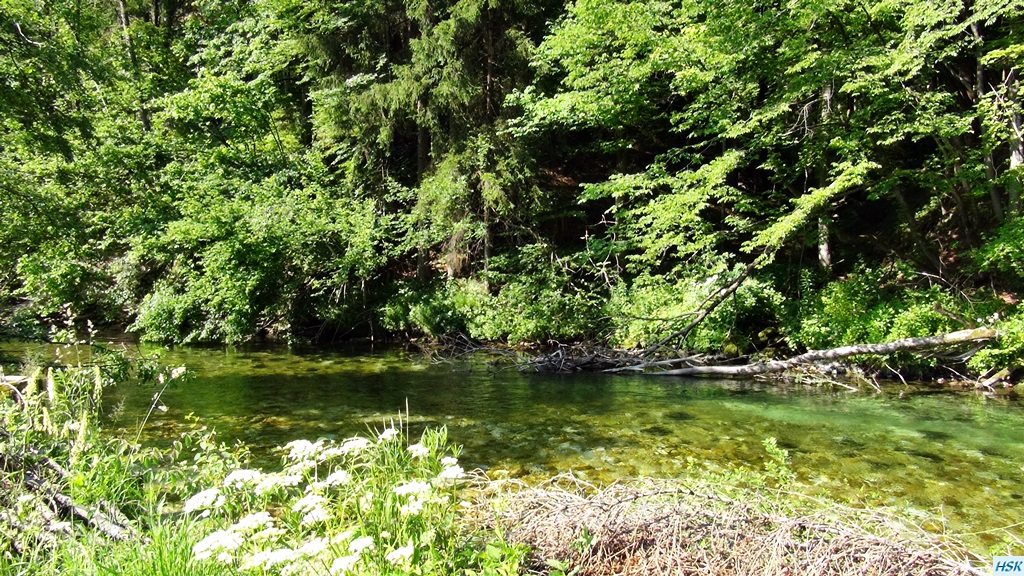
(133,58)
(824,254)
(1013,188)
(962,336)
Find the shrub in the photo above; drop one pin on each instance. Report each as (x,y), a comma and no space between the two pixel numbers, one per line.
(874,305)
(651,308)
(1008,350)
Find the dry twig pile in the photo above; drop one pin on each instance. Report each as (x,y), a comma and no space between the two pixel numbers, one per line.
(660,527)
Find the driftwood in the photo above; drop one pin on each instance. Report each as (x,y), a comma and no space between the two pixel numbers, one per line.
(580,358)
(907,344)
(35,470)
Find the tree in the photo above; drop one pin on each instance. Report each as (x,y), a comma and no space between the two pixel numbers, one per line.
(785,127)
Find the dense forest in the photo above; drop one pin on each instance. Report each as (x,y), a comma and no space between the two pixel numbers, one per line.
(812,173)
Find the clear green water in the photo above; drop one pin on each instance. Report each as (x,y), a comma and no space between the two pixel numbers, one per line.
(959,456)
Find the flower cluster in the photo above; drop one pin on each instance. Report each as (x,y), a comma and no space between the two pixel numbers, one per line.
(325,511)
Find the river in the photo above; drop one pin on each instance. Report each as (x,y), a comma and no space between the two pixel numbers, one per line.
(928,453)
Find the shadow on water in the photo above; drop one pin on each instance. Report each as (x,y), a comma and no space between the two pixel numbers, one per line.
(955,455)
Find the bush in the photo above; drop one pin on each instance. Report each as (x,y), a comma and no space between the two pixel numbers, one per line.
(1007,351)
(263,259)
(651,308)
(871,306)
(531,298)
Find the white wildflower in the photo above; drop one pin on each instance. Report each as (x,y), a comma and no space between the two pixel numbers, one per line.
(270,482)
(332,452)
(333,479)
(419,450)
(412,508)
(414,487)
(451,473)
(219,542)
(344,564)
(265,559)
(400,556)
(300,467)
(243,478)
(252,522)
(266,534)
(315,515)
(365,501)
(354,445)
(359,545)
(266,484)
(253,561)
(387,434)
(271,558)
(342,537)
(338,477)
(303,449)
(225,558)
(308,502)
(204,500)
(449,461)
(313,547)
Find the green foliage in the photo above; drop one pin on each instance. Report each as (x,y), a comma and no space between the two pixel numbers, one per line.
(434,309)
(1004,254)
(361,506)
(875,305)
(537,299)
(212,171)
(268,255)
(651,308)
(1008,351)
(532,298)
(775,474)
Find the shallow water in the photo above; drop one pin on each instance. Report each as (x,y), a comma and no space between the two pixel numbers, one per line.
(958,456)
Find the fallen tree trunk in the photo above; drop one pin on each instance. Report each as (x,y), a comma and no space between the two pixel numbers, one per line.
(33,467)
(907,344)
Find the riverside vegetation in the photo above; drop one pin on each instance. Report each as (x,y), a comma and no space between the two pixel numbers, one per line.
(78,500)
(201,171)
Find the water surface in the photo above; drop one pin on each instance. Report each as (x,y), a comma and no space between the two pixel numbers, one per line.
(958,456)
